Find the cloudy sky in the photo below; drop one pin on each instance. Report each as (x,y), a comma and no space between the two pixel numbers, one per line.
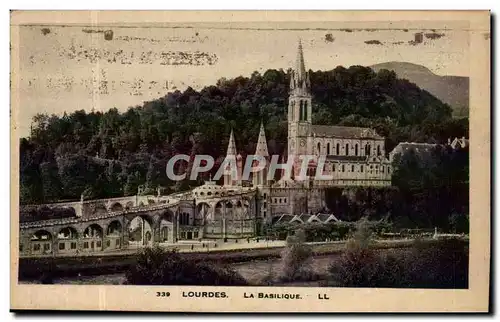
(67,68)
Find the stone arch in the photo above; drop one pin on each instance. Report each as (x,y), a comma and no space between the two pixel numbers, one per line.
(67,233)
(129,205)
(99,208)
(114,235)
(202,209)
(41,242)
(166,226)
(92,238)
(140,231)
(116,207)
(167,215)
(114,228)
(217,213)
(67,240)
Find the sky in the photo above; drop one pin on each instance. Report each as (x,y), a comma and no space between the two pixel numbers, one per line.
(74,67)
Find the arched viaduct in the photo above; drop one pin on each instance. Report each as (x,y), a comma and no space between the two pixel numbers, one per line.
(115,224)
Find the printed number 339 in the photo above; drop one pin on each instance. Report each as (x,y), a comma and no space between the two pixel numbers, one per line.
(162,294)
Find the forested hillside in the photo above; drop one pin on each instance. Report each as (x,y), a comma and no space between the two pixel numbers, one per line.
(111,154)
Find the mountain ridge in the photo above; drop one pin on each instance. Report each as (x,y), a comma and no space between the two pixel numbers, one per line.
(452,90)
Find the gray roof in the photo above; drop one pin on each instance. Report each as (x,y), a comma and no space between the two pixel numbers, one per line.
(345,132)
(346,158)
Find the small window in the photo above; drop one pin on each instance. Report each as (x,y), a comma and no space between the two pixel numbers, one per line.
(73,245)
(61,246)
(281,200)
(388,170)
(343,168)
(265,204)
(352,168)
(36,247)
(195,235)
(86,245)
(46,247)
(382,168)
(265,195)
(333,167)
(361,168)
(108,243)
(264,214)
(117,243)
(20,247)
(183,235)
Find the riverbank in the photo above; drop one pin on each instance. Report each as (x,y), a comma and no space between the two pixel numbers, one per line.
(48,267)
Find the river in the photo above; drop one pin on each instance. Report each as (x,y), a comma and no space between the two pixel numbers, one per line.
(253,272)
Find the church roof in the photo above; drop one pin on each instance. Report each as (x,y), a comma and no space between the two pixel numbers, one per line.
(231,147)
(347,132)
(262,143)
(346,158)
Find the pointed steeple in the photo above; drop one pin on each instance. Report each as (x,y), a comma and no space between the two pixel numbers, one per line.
(262,143)
(231,147)
(300,77)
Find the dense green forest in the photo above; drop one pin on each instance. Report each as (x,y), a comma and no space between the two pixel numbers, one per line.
(110,154)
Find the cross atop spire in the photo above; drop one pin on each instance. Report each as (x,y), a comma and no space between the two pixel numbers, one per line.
(262,143)
(231,147)
(300,77)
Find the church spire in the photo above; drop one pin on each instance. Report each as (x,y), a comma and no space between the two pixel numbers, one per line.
(262,143)
(231,147)
(300,77)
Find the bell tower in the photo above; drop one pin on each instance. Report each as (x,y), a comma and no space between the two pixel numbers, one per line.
(299,109)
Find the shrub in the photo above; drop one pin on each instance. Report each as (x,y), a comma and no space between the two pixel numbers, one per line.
(155,266)
(294,259)
(426,265)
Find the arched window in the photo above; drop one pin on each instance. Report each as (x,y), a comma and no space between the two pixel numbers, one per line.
(343,168)
(338,149)
(356,150)
(347,149)
(378,150)
(333,167)
(301,115)
(352,168)
(361,168)
(367,150)
(319,148)
(328,148)
(305,111)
